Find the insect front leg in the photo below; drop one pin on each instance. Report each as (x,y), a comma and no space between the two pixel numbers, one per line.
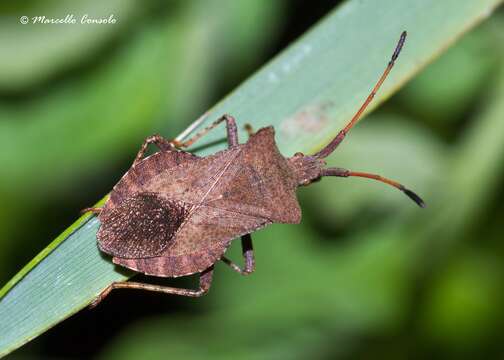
(232,132)
(205,281)
(248,256)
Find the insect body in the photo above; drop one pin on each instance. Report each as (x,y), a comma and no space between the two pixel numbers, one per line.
(175,214)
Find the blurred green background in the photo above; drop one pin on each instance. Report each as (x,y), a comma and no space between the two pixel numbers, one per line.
(366,274)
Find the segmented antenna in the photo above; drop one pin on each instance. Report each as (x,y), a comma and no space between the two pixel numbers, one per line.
(329,148)
(339,172)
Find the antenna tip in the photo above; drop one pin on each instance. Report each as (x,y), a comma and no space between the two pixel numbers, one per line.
(417,199)
(399,46)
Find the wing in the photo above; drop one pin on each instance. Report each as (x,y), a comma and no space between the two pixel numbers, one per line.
(199,243)
(140,226)
(260,184)
(152,167)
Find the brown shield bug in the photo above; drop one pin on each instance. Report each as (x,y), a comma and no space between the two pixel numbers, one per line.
(175,214)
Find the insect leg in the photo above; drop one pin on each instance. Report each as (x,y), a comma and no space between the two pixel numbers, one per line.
(205,281)
(158,140)
(248,128)
(248,256)
(91,209)
(347,173)
(329,148)
(232,132)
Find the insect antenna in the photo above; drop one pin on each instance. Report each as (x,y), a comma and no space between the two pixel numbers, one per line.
(329,148)
(347,173)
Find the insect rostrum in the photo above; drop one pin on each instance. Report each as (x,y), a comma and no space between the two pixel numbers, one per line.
(175,214)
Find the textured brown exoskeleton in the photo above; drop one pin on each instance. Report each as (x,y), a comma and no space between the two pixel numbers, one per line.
(175,214)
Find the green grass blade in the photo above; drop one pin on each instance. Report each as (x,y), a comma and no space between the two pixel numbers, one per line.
(307,93)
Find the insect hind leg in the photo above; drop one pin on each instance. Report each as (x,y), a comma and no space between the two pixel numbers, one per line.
(205,282)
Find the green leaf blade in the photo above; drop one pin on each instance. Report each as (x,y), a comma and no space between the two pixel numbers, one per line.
(59,280)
